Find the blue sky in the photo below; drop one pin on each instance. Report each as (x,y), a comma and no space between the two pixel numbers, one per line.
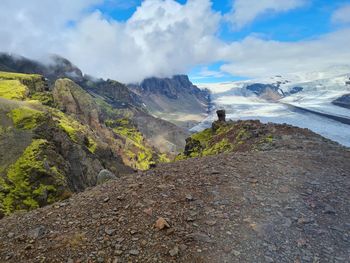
(211,40)
(308,21)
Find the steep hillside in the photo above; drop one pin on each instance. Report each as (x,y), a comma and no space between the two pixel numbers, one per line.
(284,204)
(174,99)
(55,142)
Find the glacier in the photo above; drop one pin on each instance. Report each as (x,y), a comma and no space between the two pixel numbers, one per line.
(319,90)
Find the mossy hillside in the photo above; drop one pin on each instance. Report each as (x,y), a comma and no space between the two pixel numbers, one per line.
(139,154)
(227,137)
(44,98)
(33,82)
(13,90)
(31,181)
(26,118)
(19,76)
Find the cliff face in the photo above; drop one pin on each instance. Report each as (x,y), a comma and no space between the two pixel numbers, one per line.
(175,99)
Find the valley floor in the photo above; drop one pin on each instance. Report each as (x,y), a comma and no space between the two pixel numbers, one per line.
(289,205)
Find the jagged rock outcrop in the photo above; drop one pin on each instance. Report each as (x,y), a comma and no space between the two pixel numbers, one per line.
(174,99)
(72,99)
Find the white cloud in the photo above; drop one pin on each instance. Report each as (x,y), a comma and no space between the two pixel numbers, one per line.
(161,38)
(254,57)
(36,26)
(246,11)
(342,15)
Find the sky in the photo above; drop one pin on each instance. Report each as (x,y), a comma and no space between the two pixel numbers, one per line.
(211,41)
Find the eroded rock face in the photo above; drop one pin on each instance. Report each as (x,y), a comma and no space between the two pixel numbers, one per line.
(72,99)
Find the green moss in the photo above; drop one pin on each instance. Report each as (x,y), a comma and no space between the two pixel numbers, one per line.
(140,155)
(24,187)
(222,146)
(163,158)
(91,145)
(45,98)
(69,125)
(203,137)
(26,118)
(21,195)
(269,138)
(13,90)
(19,76)
(242,135)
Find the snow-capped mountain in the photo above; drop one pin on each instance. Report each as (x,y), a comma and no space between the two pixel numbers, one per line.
(312,91)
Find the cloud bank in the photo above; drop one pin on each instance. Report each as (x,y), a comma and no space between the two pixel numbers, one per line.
(246,11)
(162,38)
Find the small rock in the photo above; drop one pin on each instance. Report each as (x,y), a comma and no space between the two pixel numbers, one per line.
(104,176)
(148,211)
(134,252)
(110,231)
(161,223)
(133,232)
(236,253)
(173,252)
(283,189)
(28,247)
(106,199)
(36,232)
(70,260)
(210,222)
(100,260)
(10,235)
(118,252)
(189,198)
(120,240)
(329,210)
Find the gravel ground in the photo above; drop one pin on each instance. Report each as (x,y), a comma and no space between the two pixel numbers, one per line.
(281,205)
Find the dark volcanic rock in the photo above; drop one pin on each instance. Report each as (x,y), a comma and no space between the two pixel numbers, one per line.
(266,91)
(343,101)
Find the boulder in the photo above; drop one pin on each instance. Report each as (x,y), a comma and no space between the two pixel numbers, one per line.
(104,176)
